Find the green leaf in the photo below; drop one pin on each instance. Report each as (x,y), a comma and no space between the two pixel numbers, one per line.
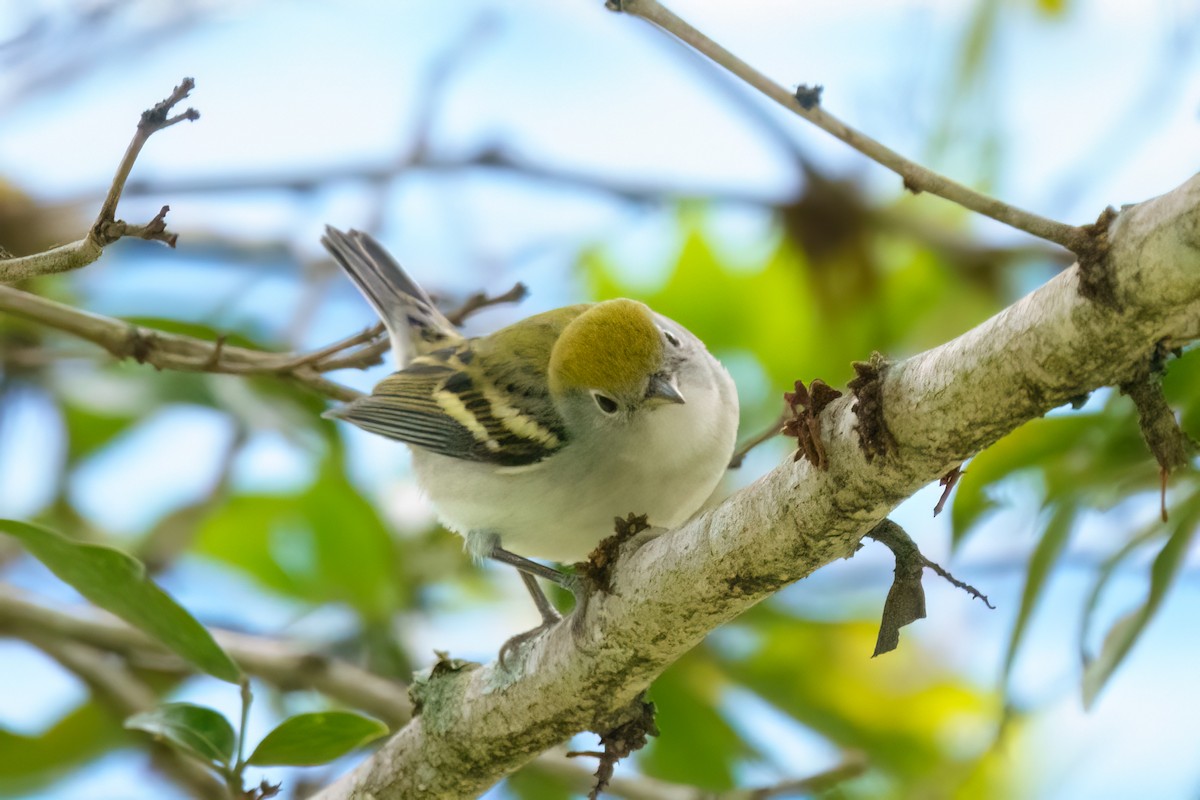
(1041,563)
(1125,631)
(89,430)
(1155,530)
(196,730)
(117,583)
(697,744)
(309,739)
(28,764)
(1025,448)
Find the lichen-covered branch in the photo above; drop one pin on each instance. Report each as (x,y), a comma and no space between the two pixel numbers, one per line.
(939,407)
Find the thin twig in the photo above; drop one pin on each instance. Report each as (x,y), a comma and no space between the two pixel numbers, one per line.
(443,68)
(373,352)
(642,787)
(966,587)
(916,177)
(480,301)
(768,433)
(165,350)
(489,159)
(153,120)
(323,353)
(107,228)
(366,356)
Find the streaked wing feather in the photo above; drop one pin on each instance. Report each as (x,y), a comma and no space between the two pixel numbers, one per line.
(433,405)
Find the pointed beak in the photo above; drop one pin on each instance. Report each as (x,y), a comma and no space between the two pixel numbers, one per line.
(662,389)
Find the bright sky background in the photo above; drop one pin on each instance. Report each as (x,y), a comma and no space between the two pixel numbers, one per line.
(1101,107)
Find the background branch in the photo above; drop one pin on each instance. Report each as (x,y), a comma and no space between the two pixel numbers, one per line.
(916,177)
(164,350)
(937,409)
(285,665)
(114,686)
(107,228)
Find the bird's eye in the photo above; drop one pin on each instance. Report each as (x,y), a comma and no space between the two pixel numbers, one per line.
(605,403)
(672,338)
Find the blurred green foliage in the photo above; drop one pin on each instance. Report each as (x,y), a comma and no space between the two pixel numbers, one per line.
(30,762)
(323,545)
(1084,461)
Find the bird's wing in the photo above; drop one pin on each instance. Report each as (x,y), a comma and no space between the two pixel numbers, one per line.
(435,405)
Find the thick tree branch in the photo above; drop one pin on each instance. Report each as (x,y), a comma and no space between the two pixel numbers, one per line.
(916,177)
(107,228)
(940,407)
(287,666)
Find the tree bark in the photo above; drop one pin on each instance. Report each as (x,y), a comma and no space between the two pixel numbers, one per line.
(477,724)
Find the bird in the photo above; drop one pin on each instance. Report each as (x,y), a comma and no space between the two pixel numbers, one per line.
(531,440)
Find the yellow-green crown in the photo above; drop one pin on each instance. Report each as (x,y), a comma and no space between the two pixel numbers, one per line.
(612,346)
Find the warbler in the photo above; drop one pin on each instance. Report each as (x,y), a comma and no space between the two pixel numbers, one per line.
(530,441)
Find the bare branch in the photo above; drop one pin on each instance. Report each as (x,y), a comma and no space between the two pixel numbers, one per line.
(495,159)
(479,723)
(164,350)
(153,120)
(916,177)
(107,228)
(287,666)
(114,686)
(480,301)
(765,435)
(321,358)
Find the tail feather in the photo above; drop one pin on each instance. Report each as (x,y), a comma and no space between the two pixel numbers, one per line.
(413,322)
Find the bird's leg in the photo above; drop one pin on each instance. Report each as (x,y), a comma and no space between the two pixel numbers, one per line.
(530,572)
(549,613)
(530,567)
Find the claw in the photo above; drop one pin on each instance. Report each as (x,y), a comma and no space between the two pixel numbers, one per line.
(512,645)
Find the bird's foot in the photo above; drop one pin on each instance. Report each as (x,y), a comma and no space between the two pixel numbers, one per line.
(509,648)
